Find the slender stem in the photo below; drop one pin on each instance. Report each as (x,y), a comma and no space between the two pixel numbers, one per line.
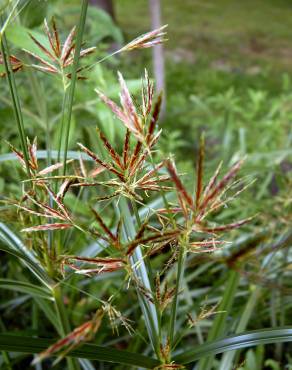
(65,96)
(15,100)
(180,265)
(64,323)
(74,77)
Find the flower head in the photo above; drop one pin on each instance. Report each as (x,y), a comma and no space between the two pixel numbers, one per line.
(58,57)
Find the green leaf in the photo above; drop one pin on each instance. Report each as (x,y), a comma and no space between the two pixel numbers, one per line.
(224,308)
(101,26)
(19,37)
(14,343)
(49,312)
(13,245)
(234,342)
(25,287)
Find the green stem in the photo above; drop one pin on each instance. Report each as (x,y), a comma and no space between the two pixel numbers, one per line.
(65,96)
(180,264)
(15,100)
(74,78)
(64,323)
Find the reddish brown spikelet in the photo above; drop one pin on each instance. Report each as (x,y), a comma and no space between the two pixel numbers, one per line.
(42,48)
(104,227)
(32,149)
(200,165)
(147,94)
(96,171)
(150,174)
(49,35)
(57,46)
(83,53)
(171,234)
(100,162)
(179,186)
(213,180)
(48,66)
(60,57)
(114,155)
(139,161)
(59,203)
(206,246)
(15,63)
(83,333)
(220,186)
(87,51)
(126,148)
(154,118)
(227,227)
(101,265)
(169,210)
(68,45)
(133,245)
(13,59)
(48,211)
(114,107)
(141,230)
(18,154)
(128,105)
(46,227)
(52,168)
(64,188)
(135,154)
(147,40)
(29,210)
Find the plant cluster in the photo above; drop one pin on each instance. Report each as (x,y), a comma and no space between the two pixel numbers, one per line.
(181,226)
(114,235)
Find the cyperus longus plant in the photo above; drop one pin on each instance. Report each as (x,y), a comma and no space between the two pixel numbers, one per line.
(120,183)
(127,178)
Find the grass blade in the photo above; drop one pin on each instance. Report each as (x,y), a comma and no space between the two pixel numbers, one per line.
(16,343)
(220,320)
(12,244)
(25,287)
(233,342)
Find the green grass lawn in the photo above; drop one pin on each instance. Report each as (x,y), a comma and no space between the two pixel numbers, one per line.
(240,32)
(217,43)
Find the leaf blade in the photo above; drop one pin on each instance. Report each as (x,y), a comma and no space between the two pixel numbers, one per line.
(248,339)
(15,343)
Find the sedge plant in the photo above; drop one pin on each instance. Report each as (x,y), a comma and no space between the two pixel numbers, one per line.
(140,213)
(127,179)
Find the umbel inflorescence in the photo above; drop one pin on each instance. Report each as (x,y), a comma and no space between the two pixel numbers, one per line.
(127,176)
